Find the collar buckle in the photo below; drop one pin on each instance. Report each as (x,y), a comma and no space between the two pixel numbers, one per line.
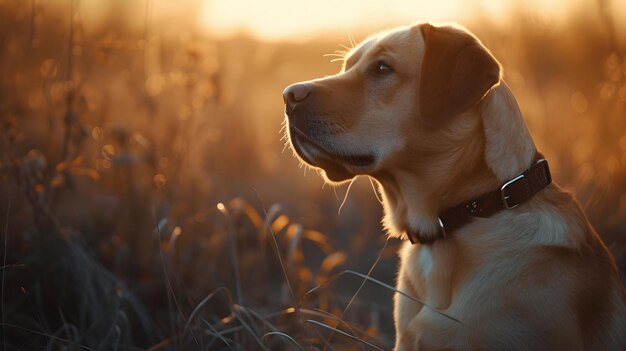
(442,229)
(503,192)
(530,183)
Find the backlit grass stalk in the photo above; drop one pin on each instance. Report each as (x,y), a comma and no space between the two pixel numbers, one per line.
(280,260)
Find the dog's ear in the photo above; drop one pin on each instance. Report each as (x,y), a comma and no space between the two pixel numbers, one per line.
(456,72)
(509,148)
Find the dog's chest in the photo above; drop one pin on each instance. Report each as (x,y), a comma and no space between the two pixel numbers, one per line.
(433,273)
(425,262)
(437,272)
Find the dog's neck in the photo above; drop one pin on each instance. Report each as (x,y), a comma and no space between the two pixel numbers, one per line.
(415,193)
(413,205)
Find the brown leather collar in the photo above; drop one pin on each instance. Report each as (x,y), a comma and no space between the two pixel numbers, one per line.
(508,196)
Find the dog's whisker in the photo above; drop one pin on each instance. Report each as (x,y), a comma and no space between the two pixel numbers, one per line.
(345,198)
(375,190)
(340,54)
(346,47)
(352,41)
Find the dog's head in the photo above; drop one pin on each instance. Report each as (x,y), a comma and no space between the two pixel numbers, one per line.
(410,95)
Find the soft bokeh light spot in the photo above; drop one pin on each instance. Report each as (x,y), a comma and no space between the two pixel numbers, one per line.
(37,159)
(57,181)
(206,89)
(61,166)
(48,68)
(97,133)
(159,180)
(108,151)
(612,68)
(221,207)
(106,164)
(279,223)
(40,188)
(607,90)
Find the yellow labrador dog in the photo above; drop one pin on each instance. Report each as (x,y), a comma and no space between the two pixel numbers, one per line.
(501,258)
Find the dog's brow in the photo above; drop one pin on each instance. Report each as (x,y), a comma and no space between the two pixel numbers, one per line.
(354,58)
(357,53)
(365,51)
(379,49)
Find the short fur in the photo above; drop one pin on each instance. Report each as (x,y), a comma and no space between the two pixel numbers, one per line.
(423,110)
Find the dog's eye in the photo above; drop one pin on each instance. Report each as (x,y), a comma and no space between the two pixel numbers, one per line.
(383,67)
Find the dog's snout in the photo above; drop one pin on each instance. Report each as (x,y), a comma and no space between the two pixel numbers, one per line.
(295,93)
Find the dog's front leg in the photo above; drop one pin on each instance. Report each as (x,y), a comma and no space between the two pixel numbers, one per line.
(405,310)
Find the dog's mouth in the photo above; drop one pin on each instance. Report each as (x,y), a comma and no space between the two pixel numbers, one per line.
(338,167)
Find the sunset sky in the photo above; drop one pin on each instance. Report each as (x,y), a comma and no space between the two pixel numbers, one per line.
(290,20)
(280,19)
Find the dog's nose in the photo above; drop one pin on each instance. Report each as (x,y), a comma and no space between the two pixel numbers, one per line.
(295,93)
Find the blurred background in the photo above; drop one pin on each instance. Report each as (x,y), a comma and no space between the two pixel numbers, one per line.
(147,198)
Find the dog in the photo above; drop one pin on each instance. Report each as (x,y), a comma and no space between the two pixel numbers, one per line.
(498,257)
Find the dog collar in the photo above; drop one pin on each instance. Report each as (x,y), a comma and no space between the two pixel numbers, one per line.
(507,197)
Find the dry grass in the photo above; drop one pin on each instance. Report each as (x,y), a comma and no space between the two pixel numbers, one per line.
(138,166)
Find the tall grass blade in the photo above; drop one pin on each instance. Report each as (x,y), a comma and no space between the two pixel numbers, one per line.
(325,314)
(219,336)
(378,282)
(207,299)
(171,294)
(335,330)
(285,336)
(323,339)
(249,329)
(56,338)
(232,250)
(280,260)
(369,273)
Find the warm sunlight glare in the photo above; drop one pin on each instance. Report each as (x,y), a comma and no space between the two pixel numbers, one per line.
(283,19)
